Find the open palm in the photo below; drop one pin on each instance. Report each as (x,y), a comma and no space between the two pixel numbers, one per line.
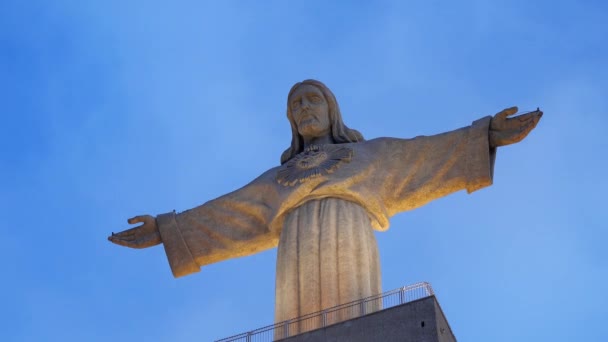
(146,235)
(506,131)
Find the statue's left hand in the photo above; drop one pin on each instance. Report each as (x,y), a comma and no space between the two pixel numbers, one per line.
(506,131)
(146,235)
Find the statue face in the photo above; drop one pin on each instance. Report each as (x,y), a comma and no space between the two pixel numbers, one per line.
(310,111)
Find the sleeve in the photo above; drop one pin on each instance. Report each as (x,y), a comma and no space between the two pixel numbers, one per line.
(234,225)
(419,170)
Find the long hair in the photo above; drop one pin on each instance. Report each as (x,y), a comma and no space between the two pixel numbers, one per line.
(340,133)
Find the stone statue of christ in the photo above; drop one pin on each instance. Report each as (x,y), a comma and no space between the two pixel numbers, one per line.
(321,205)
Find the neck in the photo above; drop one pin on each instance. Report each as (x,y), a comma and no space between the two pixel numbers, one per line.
(326,139)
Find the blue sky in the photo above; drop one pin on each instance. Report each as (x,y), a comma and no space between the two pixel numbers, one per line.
(113,109)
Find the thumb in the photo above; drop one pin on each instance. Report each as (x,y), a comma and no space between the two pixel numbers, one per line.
(136,219)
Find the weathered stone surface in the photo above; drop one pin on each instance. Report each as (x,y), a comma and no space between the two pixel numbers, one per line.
(328,251)
(321,204)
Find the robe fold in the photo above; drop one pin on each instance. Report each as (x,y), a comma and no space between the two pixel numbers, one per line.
(324,224)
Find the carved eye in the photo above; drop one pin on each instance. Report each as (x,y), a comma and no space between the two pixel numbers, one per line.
(316,99)
(295,104)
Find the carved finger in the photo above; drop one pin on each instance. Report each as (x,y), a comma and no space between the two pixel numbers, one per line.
(506,113)
(137,219)
(533,115)
(524,117)
(518,122)
(121,242)
(131,237)
(500,121)
(125,233)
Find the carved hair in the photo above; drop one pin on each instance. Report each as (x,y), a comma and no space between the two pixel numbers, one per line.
(340,133)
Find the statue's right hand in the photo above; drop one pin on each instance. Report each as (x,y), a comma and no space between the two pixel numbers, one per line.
(146,235)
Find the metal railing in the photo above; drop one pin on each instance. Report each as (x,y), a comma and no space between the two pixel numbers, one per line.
(335,314)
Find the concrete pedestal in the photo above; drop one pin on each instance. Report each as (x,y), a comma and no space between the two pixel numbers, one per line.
(418,321)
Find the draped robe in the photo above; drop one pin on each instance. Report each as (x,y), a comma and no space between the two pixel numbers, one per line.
(323,221)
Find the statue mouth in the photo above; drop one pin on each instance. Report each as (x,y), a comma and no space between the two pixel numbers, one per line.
(306,119)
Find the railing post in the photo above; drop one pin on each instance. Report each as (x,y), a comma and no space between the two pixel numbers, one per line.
(402,295)
(362,308)
(286,329)
(324,319)
(249,336)
(429,289)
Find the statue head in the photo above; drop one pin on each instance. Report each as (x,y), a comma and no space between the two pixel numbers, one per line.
(340,133)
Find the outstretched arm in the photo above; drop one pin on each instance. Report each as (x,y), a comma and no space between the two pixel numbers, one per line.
(234,225)
(506,131)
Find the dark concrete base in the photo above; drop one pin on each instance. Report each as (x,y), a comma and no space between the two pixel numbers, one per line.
(418,321)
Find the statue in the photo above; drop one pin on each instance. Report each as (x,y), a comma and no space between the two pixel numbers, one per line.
(321,205)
